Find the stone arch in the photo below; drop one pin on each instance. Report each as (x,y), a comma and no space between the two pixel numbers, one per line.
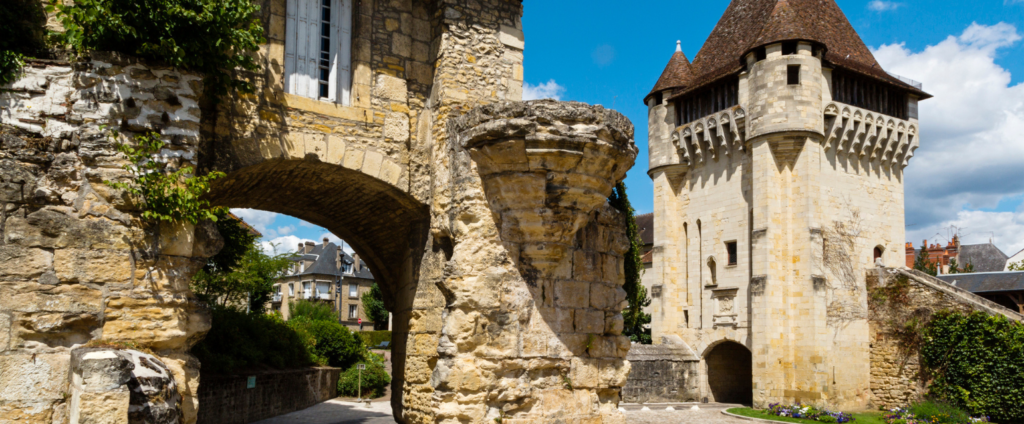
(728,365)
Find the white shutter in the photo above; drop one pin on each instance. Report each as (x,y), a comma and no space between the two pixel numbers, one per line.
(341,52)
(290,46)
(312,37)
(300,60)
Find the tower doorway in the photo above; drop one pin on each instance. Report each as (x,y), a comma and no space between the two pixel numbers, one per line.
(729,374)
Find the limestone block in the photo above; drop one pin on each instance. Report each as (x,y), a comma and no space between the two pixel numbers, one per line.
(31,412)
(613,323)
(609,347)
(557,320)
(53,329)
(315,144)
(109,407)
(185,369)
(589,321)
(371,163)
(5,331)
(396,126)
(614,372)
(585,373)
(177,238)
(33,377)
(587,266)
(354,158)
(419,368)
(425,321)
(151,322)
(572,294)
(93,266)
(208,241)
(401,45)
(607,298)
(512,37)
(335,149)
(31,297)
(20,262)
(391,88)
(168,274)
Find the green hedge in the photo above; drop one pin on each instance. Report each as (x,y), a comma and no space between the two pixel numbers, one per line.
(977,362)
(372,339)
(333,343)
(375,378)
(238,340)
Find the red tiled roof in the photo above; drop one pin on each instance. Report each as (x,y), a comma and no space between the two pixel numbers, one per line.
(676,75)
(749,24)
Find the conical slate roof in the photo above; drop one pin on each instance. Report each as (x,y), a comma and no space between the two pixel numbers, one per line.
(676,75)
(749,24)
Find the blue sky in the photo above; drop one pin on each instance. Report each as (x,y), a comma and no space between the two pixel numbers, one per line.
(968,174)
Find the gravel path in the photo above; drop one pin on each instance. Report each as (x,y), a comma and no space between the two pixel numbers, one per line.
(344,411)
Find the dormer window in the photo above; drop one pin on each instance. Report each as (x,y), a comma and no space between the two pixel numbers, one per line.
(318,49)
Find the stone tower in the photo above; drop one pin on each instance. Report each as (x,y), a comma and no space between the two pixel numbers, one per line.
(777,158)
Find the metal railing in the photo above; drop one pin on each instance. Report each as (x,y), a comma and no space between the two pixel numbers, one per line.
(908,81)
(277,297)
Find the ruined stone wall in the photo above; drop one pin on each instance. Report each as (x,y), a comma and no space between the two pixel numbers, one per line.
(227,399)
(662,374)
(78,262)
(897,378)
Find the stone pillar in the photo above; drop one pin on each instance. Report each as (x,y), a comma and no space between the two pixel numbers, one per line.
(531,330)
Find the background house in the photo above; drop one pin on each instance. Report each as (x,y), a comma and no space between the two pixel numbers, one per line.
(325,273)
(985,257)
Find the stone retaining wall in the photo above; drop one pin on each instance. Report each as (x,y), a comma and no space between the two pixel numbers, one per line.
(661,373)
(896,374)
(227,400)
(78,263)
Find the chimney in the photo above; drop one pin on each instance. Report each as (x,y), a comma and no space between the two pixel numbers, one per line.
(338,257)
(301,249)
(309,246)
(357,264)
(325,242)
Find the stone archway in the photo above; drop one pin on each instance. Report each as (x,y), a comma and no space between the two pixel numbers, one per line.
(729,373)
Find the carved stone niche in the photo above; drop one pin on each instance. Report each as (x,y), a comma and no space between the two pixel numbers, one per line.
(726,311)
(656,291)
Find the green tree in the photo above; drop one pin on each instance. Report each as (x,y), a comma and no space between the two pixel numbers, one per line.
(954,267)
(313,311)
(214,37)
(1016,266)
(373,304)
(636,294)
(923,264)
(241,273)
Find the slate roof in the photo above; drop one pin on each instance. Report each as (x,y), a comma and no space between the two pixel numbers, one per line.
(749,24)
(987,282)
(645,225)
(327,263)
(985,257)
(676,75)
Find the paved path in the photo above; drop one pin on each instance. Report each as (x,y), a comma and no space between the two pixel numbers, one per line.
(344,411)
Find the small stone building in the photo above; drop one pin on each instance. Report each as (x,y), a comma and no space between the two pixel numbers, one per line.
(777,157)
(325,273)
(984,257)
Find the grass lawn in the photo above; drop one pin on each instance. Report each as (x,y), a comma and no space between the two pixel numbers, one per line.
(859,418)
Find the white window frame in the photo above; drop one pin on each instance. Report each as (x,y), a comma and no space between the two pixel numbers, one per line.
(353,290)
(353,311)
(302,50)
(291,290)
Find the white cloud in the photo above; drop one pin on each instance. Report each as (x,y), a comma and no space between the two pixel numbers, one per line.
(285,230)
(281,245)
(882,6)
(260,220)
(547,90)
(971,136)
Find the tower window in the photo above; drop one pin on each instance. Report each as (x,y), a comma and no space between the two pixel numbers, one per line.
(318,49)
(730,247)
(789,48)
(793,74)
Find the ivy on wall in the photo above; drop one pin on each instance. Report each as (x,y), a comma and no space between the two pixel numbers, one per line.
(636,294)
(214,37)
(977,361)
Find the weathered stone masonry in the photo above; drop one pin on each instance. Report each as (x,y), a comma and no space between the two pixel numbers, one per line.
(503,268)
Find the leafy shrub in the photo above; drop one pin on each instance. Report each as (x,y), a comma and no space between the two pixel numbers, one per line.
(375,378)
(333,342)
(214,37)
(808,412)
(238,340)
(939,413)
(20,35)
(827,419)
(373,304)
(172,197)
(313,311)
(372,339)
(977,362)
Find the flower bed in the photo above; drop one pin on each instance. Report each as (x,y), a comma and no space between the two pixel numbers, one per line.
(905,416)
(809,413)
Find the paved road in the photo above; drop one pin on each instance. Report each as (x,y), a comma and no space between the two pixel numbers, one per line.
(344,411)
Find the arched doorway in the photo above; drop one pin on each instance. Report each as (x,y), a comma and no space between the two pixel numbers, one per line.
(729,374)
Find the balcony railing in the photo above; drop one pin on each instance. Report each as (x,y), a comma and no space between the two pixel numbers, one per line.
(908,81)
(324,296)
(277,297)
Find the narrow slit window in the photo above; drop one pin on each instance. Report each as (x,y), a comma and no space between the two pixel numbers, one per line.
(731,248)
(793,74)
